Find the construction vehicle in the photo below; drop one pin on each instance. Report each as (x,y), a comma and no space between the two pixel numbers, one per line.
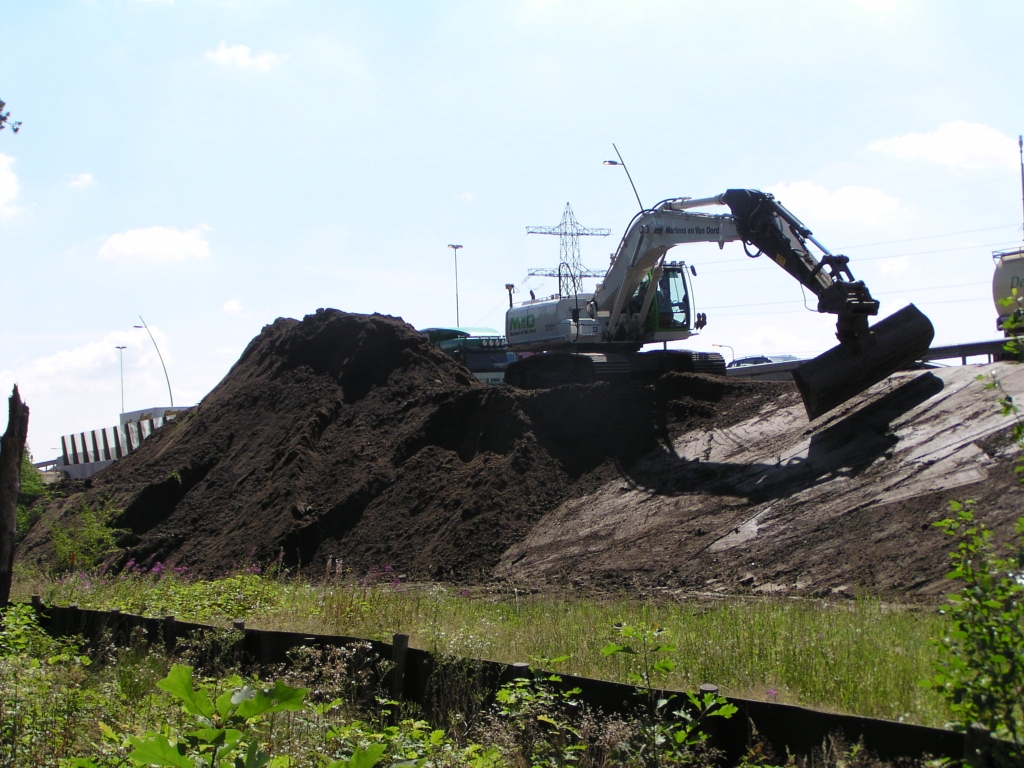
(1008,289)
(643,300)
(482,350)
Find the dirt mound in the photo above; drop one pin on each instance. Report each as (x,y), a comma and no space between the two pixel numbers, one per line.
(351,436)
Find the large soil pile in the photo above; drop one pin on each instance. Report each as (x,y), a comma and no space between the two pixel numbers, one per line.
(350,436)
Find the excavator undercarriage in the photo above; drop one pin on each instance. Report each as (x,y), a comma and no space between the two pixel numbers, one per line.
(556,368)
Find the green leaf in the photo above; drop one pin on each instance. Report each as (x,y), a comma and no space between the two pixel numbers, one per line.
(157,750)
(277,699)
(214,736)
(365,758)
(611,648)
(254,758)
(664,665)
(225,704)
(725,710)
(178,683)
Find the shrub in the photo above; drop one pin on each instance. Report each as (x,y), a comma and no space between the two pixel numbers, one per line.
(981,669)
(86,539)
(32,490)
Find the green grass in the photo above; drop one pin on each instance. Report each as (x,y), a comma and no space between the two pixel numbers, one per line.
(862,656)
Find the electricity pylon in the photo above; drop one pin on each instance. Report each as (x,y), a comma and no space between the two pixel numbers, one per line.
(570,271)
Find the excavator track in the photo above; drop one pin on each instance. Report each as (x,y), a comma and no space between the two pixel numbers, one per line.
(557,368)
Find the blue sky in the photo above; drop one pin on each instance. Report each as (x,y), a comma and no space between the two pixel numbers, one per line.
(213,165)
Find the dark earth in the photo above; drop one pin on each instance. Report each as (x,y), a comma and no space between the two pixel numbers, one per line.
(350,436)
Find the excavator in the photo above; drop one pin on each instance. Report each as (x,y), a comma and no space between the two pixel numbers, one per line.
(586,337)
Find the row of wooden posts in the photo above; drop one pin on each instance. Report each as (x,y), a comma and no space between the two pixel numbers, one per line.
(418,676)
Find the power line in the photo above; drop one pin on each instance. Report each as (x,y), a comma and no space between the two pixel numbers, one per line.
(858,261)
(883,293)
(804,311)
(926,237)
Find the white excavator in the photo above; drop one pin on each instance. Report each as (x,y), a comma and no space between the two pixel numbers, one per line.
(643,299)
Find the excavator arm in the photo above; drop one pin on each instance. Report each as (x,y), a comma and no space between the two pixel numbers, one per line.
(759,221)
(865,355)
(777,233)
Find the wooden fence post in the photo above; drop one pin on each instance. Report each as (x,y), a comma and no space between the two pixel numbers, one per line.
(170,633)
(399,652)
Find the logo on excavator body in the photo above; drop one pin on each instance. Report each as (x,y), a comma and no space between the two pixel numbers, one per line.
(526,323)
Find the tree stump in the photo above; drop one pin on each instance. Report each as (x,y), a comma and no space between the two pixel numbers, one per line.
(12,448)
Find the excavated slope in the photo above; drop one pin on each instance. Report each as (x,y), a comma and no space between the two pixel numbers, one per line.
(771,504)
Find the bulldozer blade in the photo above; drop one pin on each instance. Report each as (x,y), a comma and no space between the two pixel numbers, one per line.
(834,377)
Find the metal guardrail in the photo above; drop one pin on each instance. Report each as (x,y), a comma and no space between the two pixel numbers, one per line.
(994,350)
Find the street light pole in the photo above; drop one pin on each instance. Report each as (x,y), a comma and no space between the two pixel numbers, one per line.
(455,249)
(622,162)
(726,346)
(120,352)
(166,378)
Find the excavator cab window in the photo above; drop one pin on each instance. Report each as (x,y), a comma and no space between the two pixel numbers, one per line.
(672,301)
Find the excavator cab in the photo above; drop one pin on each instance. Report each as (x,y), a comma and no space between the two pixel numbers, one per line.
(672,300)
(669,308)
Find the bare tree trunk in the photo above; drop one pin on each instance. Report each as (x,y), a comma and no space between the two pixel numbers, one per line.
(12,448)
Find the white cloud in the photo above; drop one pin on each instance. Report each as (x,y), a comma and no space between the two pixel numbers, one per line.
(8,187)
(769,339)
(241,56)
(465,196)
(80,388)
(896,266)
(54,372)
(156,245)
(957,144)
(82,180)
(69,362)
(233,307)
(156,2)
(881,7)
(814,203)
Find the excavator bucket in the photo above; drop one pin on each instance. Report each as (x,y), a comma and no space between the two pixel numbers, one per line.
(834,377)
